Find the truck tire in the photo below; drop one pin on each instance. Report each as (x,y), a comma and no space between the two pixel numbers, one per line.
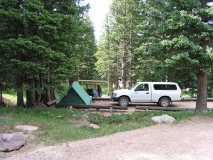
(123,101)
(164,101)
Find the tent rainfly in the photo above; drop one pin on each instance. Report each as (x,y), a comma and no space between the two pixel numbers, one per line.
(75,96)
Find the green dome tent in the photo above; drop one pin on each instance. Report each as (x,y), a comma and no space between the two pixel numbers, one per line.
(75,96)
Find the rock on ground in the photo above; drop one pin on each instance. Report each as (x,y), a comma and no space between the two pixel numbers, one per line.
(11,141)
(26,128)
(166,119)
(94,126)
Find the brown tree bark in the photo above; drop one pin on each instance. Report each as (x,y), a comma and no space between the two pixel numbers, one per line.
(201,104)
(124,42)
(1,94)
(124,67)
(29,98)
(20,90)
(37,91)
(52,93)
(30,94)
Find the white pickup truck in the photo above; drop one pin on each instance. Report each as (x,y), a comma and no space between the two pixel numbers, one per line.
(162,93)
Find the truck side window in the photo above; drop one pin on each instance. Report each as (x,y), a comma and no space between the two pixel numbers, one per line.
(142,87)
(165,87)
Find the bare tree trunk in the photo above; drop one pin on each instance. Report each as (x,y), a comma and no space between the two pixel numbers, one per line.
(37,91)
(48,88)
(20,90)
(1,98)
(29,101)
(30,95)
(124,67)
(125,55)
(41,92)
(1,94)
(201,104)
(20,96)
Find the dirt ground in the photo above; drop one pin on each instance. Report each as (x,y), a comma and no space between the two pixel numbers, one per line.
(189,104)
(183,104)
(191,140)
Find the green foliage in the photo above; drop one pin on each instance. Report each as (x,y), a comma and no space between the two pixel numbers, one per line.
(43,42)
(168,40)
(183,34)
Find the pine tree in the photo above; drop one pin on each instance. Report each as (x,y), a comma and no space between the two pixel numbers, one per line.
(180,39)
(119,42)
(41,45)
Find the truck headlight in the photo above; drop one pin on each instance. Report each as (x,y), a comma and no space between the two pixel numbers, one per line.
(114,95)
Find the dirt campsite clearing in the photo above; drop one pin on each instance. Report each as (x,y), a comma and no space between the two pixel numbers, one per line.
(188,140)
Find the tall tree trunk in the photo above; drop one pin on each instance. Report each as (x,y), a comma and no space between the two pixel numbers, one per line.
(29,98)
(48,91)
(52,93)
(48,94)
(124,64)
(201,104)
(42,90)
(30,93)
(20,90)
(37,91)
(1,98)
(1,94)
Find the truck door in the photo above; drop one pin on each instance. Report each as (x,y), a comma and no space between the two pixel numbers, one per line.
(142,93)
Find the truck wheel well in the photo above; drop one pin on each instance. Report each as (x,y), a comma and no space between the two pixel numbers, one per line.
(164,97)
(126,97)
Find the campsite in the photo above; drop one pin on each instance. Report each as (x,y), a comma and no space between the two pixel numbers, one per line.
(106,80)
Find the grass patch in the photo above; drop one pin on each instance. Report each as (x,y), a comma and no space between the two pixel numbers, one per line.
(59,125)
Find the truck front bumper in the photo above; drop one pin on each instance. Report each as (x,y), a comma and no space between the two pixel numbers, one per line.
(115,99)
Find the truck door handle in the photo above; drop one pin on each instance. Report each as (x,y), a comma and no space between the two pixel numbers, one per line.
(147,92)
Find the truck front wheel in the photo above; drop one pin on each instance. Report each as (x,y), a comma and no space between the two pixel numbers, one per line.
(164,101)
(123,101)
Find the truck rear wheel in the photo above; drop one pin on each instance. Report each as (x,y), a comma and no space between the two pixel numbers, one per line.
(124,101)
(164,101)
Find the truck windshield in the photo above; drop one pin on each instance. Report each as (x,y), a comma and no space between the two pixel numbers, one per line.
(140,87)
(134,86)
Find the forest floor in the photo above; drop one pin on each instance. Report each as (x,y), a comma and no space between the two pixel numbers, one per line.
(189,140)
